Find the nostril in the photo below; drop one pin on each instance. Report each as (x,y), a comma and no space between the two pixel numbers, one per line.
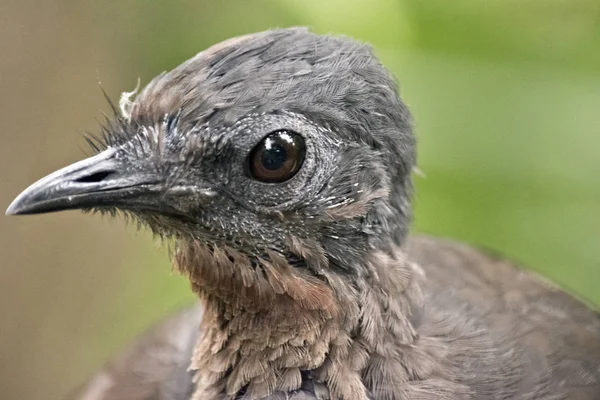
(95,177)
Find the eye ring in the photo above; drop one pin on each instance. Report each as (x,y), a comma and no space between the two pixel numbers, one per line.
(277,157)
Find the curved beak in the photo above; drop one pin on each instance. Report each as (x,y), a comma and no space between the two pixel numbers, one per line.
(99,181)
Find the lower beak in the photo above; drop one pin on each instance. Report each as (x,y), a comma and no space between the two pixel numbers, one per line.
(98,181)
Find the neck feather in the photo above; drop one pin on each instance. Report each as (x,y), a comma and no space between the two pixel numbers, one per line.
(268,326)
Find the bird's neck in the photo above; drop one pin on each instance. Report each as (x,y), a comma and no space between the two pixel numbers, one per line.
(267,328)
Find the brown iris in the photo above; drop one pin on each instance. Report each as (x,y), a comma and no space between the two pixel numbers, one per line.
(277,157)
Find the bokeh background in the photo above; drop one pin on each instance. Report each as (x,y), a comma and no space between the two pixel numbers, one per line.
(506,97)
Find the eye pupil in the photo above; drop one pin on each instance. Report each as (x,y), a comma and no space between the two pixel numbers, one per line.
(277,157)
(274,157)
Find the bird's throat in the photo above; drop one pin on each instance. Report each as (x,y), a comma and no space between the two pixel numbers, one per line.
(268,328)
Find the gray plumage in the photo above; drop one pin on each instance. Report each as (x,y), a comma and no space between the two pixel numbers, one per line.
(309,285)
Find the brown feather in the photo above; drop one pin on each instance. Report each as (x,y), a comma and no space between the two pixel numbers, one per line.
(543,341)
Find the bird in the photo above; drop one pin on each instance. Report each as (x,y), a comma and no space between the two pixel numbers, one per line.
(278,168)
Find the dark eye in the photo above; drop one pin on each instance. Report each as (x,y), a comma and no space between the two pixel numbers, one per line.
(277,157)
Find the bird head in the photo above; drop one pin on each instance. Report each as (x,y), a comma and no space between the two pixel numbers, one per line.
(282,141)
(282,147)
(279,163)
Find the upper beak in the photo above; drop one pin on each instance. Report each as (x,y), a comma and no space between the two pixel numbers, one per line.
(101,180)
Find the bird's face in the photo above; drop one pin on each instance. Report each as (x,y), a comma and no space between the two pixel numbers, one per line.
(261,183)
(255,158)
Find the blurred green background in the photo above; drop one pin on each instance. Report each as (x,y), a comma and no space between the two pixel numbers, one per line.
(505,93)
